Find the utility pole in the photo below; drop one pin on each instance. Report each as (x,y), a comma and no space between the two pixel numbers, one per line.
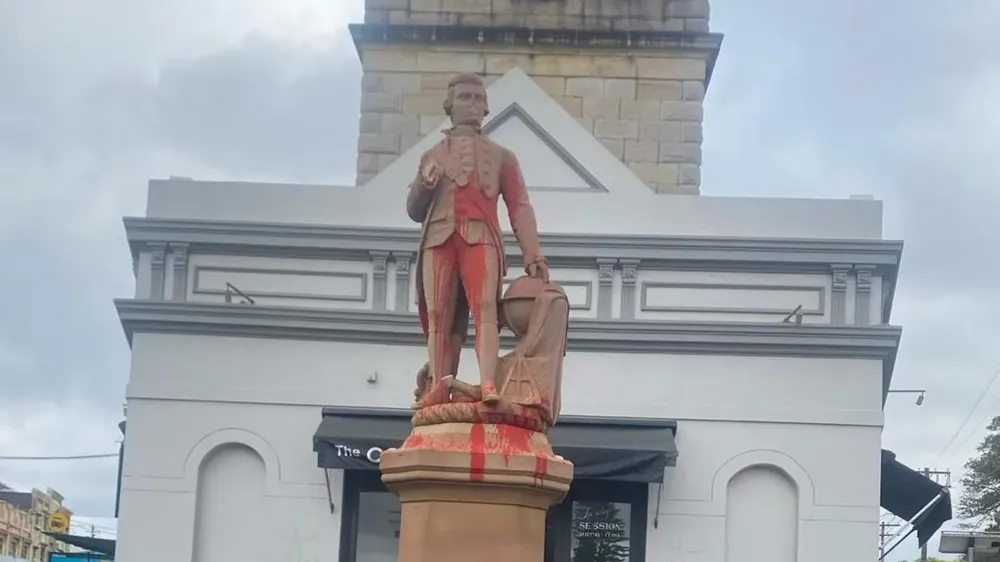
(928,473)
(883,534)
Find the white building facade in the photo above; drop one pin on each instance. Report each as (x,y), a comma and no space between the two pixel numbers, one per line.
(740,346)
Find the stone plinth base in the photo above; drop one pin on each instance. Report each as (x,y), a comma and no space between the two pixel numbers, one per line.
(474,492)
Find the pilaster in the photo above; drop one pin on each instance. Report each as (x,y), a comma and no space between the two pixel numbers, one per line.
(402,281)
(863,295)
(605,285)
(630,270)
(838,304)
(157,269)
(179,252)
(380,268)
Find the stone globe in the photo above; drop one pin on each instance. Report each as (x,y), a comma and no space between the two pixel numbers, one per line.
(518,301)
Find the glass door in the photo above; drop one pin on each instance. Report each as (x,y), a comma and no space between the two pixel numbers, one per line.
(599,521)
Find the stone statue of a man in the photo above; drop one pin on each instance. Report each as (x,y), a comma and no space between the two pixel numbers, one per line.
(461,261)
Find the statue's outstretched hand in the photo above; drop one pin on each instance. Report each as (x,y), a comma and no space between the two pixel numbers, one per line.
(539,270)
(430,174)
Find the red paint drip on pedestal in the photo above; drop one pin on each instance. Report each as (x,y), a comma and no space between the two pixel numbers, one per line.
(541,468)
(477,453)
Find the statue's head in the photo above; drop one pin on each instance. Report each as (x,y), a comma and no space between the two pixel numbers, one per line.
(466,102)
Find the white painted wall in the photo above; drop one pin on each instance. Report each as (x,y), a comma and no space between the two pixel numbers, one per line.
(557,212)
(817,421)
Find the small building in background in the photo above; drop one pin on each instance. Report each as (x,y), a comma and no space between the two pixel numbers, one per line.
(24,518)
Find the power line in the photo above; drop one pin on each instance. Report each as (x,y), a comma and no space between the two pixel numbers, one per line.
(62,458)
(979,401)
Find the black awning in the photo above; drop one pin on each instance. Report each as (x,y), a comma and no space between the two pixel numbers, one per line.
(905,492)
(630,449)
(92,544)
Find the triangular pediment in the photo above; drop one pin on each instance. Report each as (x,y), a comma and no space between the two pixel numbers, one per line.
(555,151)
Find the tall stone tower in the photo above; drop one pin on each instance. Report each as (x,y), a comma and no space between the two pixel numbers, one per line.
(633,72)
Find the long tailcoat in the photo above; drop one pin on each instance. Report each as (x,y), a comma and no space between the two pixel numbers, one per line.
(499,175)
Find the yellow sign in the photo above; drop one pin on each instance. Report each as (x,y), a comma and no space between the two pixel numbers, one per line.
(59,522)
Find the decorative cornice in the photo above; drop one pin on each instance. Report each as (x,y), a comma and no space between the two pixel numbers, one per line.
(692,253)
(593,335)
(707,45)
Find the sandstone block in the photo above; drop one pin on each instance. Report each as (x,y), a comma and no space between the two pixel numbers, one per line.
(696,25)
(450,61)
(380,103)
(435,82)
(680,152)
(370,123)
(583,87)
(616,129)
(425,5)
(671,68)
(553,85)
(423,104)
(406,142)
(378,143)
(642,151)
(563,65)
(655,174)
(659,90)
(385,159)
(501,63)
(367,163)
(663,131)
(361,179)
(615,146)
(371,82)
(377,17)
(691,132)
(573,106)
(394,123)
(681,111)
(586,123)
(693,90)
(641,110)
(619,66)
(598,107)
(621,88)
(688,9)
(386,4)
(389,60)
(467,6)
(475,20)
(401,82)
(690,174)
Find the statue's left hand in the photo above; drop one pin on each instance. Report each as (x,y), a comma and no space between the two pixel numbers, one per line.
(539,270)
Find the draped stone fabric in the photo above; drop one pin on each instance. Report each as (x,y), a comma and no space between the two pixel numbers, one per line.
(531,375)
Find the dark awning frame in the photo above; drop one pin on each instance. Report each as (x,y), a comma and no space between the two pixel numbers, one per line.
(609,448)
(104,547)
(908,494)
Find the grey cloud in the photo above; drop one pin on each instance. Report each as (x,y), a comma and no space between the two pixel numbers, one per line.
(264,108)
(85,121)
(826,100)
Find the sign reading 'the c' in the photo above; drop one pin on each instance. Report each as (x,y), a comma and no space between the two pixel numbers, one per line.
(372,454)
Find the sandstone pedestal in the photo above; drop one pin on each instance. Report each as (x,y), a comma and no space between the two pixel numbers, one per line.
(474,492)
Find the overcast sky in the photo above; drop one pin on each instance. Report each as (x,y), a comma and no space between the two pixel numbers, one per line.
(809,99)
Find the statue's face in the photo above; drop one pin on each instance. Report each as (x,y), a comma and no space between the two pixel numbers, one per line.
(468,104)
